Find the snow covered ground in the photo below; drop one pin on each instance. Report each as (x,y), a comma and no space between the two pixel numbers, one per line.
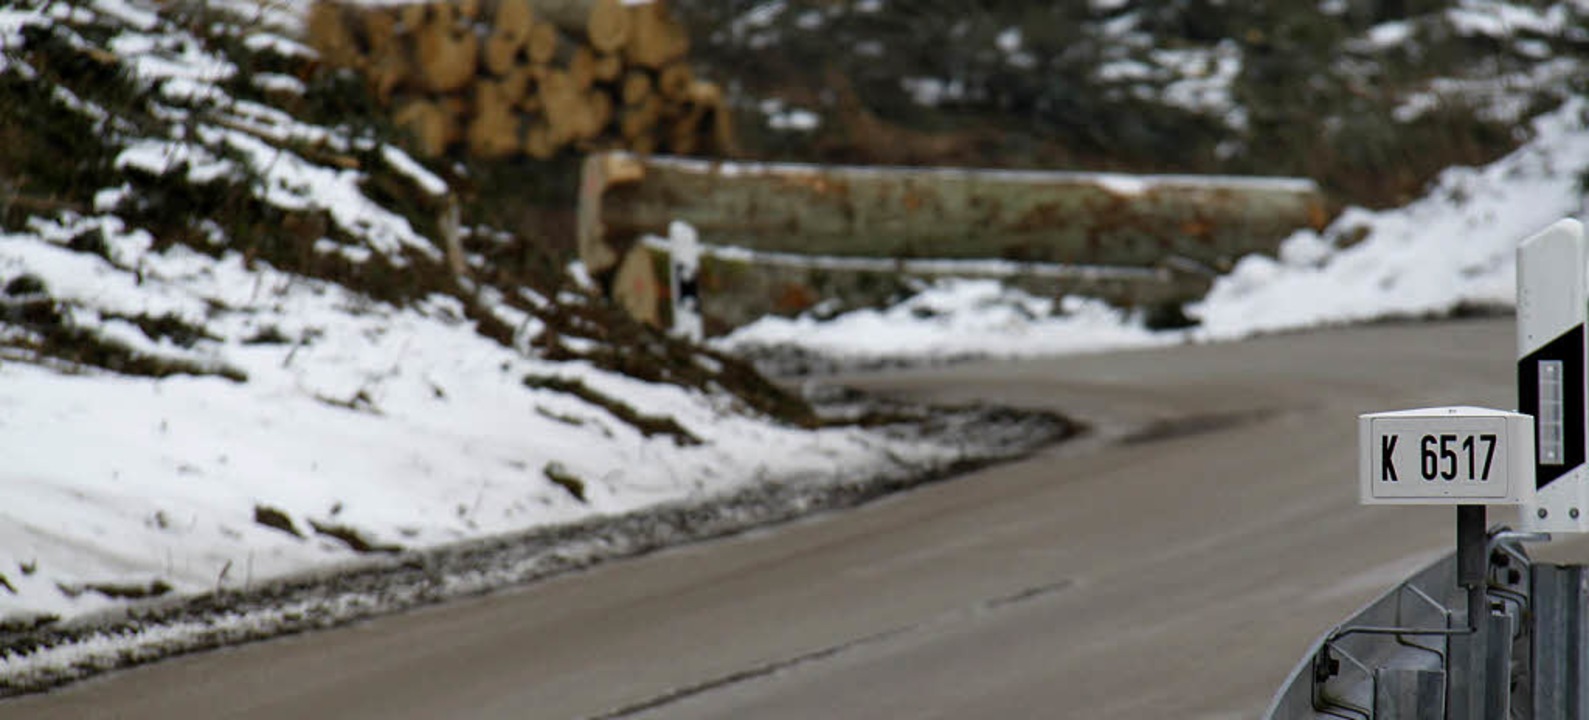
(403,424)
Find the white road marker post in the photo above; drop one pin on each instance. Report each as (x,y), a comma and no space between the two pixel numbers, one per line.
(1552,305)
(684,260)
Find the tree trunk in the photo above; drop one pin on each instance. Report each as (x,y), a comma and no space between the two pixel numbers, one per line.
(1073,218)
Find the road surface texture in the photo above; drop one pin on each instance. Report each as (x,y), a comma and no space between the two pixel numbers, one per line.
(1174,564)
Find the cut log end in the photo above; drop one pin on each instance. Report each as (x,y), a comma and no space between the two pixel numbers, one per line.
(609,26)
(655,38)
(542,43)
(514,18)
(674,81)
(428,124)
(502,53)
(445,58)
(608,68)
(636,87)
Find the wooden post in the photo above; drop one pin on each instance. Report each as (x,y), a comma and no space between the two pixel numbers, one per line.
(452,237)
(601,173)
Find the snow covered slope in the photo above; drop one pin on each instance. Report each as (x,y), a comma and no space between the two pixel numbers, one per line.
(230,348)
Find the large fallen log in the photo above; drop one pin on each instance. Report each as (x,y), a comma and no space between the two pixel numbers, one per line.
(1054,217)
(738,287)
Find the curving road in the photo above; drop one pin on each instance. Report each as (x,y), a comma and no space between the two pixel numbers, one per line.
(1175,564)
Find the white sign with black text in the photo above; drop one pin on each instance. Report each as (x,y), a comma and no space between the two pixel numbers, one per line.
(1446,456)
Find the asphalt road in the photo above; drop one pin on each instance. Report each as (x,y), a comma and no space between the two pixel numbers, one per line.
(1175,564)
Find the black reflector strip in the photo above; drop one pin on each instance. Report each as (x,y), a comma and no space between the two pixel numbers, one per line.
(1563,432)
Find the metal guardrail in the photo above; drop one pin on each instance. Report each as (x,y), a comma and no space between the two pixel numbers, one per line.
(1413,654)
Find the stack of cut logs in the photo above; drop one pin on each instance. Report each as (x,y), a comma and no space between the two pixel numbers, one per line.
(532,77)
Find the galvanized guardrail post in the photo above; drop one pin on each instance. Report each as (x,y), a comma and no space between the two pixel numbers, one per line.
(1560,653)
(1409,693)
